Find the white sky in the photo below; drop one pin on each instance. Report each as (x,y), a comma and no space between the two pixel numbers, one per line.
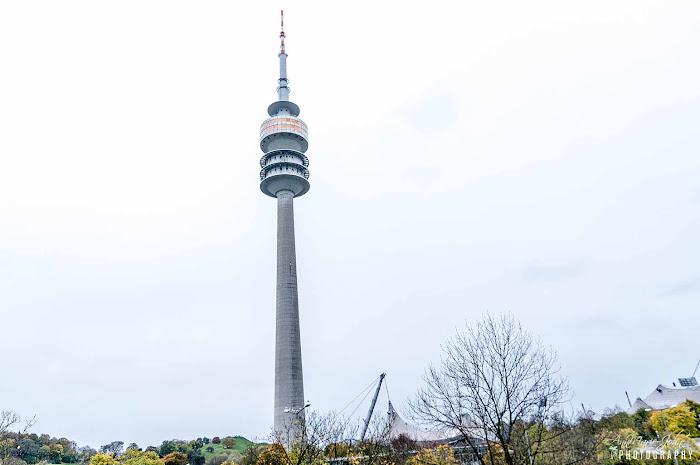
(539,158)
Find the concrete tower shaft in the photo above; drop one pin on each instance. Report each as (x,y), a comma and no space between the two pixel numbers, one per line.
(289,379)
(284,175)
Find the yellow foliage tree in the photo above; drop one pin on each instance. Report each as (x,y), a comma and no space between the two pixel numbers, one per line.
(680,420)
(137,457)
(175,458)
(6,445)
(103,459)
(495,454)
(441,455)
(274,454)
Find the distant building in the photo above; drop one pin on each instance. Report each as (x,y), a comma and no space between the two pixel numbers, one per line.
(663,397)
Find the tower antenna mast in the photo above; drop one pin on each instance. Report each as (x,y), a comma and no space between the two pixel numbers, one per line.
(283,89)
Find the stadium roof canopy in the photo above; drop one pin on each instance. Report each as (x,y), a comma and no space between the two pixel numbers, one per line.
(664,397)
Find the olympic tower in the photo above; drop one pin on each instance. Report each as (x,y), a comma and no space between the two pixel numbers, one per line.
(284,176)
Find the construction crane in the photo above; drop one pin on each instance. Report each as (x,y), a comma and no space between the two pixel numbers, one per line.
(371,407)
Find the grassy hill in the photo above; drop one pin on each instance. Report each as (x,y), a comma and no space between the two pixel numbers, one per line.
(241,446)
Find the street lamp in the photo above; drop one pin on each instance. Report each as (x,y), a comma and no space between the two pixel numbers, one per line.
(297,410)
(663,417)
(542,403)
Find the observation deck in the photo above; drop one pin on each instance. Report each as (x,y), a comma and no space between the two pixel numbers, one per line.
(284,139)
(285,126)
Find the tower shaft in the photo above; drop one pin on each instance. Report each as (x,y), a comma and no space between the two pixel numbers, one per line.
(289,379)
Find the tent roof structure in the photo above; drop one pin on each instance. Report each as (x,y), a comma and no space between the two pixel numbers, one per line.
(664,397)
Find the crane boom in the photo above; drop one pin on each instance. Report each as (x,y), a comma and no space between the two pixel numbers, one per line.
(371,407)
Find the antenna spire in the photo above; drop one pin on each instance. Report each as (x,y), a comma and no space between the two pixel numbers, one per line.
(282,32)
(283,89)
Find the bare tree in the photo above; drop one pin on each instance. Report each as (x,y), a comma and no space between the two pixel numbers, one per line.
(494,383)
(333,439)
(377,447)
(318,432)
(8,419)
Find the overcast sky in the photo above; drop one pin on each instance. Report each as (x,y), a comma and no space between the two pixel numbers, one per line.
(538,158)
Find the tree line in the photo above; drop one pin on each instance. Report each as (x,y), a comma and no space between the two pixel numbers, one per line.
(24,448)
(497,397)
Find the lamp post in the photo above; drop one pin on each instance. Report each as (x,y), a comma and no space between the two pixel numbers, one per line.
(663,417)
(292,432)
(297,410)
(529,452)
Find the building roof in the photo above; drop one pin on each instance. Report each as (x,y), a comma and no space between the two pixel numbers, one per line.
(398,427)
(664,397)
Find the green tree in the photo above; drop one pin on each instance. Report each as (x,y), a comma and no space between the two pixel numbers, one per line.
(617,420)
(44,452)
(68,458)
(196,444)
(28,450)
(642,424)
(195,457)
(695,408)
(167,447)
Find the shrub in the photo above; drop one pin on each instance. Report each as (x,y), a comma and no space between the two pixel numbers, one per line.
(13,461)
(217,460)
(175,458)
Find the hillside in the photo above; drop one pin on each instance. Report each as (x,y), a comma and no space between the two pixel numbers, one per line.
(241,446)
